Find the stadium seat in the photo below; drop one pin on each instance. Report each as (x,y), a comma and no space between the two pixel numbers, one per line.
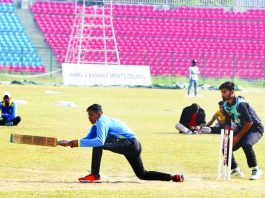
(227,36)
(14,41)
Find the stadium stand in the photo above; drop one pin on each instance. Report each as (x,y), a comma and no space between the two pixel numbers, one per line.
(5,1)
(17,52)
(225,43)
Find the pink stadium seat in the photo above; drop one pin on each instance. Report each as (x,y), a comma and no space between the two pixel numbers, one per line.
(18,68)
(164,34)
(2,68)
(10,68)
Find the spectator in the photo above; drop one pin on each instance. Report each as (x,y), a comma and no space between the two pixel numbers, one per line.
(9,111)
(194,76)
(192,118)
(220,118)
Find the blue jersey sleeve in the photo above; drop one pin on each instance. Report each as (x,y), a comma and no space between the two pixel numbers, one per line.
(92,133)
(1,109)
(96,137)
(13,112)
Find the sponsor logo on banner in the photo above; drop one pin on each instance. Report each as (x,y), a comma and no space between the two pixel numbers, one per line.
(86,74)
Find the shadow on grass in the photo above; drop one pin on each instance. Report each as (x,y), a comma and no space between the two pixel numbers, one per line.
(168,133)
(71,182)
(120,182)
(177,133)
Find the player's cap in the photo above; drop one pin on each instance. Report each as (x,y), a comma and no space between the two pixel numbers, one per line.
(7,94)
(194,61)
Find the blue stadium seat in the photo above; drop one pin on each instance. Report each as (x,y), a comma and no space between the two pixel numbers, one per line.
(16,49)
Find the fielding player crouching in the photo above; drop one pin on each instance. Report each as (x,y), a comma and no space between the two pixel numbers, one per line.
(249,128)
(113,135)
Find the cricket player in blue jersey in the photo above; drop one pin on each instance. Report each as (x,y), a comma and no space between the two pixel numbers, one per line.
(9,111)
(111,134)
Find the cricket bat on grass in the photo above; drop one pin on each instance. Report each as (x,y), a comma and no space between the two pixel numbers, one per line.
(34,140)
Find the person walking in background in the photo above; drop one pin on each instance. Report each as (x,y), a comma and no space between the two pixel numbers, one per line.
(111,134)
(249,129)
(193,76)
(9,111)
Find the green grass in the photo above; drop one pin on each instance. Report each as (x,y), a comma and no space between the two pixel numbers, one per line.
(166,80)
(35,171)
(56,79)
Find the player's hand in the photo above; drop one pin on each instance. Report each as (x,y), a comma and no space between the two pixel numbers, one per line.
(74,143)
(197,128)
(63,143)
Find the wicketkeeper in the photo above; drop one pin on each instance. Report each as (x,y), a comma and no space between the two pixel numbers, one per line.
(248,131)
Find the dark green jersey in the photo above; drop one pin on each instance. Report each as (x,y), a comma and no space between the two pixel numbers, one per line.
(241,112)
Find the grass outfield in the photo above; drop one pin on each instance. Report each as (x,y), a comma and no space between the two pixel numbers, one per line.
(35,171)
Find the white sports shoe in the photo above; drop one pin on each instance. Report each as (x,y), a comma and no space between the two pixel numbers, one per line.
(256,173)
(195,132)
(192,132)
(237,173)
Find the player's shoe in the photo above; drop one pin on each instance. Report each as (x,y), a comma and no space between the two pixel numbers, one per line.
(237,173)
(178,178)
(90,179)
(189,132)
(206,130)
(195,132)
(9,124)
(256,173)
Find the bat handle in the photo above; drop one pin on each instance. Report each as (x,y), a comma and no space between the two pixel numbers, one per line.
(62,142)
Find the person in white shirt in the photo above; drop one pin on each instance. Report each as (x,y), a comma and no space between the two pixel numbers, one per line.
(194,75)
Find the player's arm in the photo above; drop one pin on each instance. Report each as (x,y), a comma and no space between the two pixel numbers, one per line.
(65,143)
(220,122)
(92,133)
(183,118)
(227,121)
(102,129)
(1,111)
(245,115)
(212,120)
(95,138)
(74,143)
(198,71)
(13,113)
(202,120)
